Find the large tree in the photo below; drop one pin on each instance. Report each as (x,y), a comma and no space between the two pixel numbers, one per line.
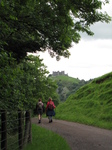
(39,25)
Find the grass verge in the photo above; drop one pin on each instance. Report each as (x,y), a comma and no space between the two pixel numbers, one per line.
(43,139)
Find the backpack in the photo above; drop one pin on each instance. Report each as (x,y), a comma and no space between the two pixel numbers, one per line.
(39,105)
(50,106)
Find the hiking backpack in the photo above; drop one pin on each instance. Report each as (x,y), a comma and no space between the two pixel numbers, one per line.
(50,106)
(39,105)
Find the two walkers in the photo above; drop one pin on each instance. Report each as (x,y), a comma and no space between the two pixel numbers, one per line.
(49,110)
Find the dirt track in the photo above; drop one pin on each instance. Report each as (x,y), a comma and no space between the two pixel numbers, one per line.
(78,136)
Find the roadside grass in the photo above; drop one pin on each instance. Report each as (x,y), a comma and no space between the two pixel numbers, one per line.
(91,104)
(43,139)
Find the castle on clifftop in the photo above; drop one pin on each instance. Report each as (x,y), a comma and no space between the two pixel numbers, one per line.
(57,73)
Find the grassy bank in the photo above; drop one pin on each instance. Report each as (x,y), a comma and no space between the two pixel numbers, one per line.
(91,104)
(43,139)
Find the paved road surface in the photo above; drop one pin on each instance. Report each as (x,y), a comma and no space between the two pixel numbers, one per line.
(78,136)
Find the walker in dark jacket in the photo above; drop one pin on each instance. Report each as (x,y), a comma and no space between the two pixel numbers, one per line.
(40,110)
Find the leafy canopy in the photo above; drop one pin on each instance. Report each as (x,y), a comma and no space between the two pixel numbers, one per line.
(40,25)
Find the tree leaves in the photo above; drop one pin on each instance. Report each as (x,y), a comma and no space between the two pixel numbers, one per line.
(32,26)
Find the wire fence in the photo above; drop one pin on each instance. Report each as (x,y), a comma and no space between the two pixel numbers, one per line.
(15,129)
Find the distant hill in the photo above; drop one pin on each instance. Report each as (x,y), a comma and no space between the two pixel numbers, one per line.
(65,79)
(67,85)
(91,104)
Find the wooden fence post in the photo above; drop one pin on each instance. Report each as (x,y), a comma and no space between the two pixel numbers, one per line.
(27,134)
(30,128)
(3,130)
(20,130)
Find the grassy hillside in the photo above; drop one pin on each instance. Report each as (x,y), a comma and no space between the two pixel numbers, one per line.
(65,79)
(91,104)
(67,85)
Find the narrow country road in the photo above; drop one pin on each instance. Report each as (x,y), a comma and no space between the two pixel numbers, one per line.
(79,136)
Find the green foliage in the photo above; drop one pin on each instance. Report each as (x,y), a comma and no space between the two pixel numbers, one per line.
(45,139)
(91,104)
(32,26)
(24,83)
(8,75)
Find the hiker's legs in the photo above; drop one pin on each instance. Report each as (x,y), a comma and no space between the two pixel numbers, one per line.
(39,118)
(50,119)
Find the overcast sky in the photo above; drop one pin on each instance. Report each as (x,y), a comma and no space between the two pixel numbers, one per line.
(91,57)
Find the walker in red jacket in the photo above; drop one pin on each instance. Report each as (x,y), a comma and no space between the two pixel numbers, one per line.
(50,109)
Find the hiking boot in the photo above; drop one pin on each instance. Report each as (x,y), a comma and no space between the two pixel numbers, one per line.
(39,121)
(50,121)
